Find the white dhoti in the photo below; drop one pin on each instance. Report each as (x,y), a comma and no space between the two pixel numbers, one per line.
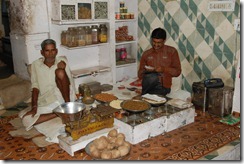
(51,128)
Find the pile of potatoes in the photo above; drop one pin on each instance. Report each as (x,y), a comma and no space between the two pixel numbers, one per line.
(111,147)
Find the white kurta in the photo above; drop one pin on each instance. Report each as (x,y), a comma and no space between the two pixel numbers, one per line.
(43,78)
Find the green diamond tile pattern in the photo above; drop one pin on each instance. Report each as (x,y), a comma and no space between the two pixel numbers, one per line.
(203,29)
(233,15)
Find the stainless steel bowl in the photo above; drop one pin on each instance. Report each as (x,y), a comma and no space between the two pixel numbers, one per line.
(70,111)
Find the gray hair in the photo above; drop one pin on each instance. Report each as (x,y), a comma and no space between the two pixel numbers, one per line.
(46,42)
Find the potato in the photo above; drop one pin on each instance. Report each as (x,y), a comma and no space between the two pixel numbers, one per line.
(126,143)
(112,133)
(115,153)
(111,146)
(103,137)
(112,139)
(123,150)
(96,153)
(121,135)
(100,143)
(92,147)
(119,141)
(106,154)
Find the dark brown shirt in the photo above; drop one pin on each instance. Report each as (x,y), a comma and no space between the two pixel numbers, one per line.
(167,58)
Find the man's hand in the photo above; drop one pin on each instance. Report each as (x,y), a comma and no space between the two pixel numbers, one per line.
(32,112)
(61,64)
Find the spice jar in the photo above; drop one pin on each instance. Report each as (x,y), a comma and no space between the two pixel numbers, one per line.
(88,35)
(95,34)
(103,33)
(81,36)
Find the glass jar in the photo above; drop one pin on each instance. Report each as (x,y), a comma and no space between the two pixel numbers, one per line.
(88,35)
(121,4)
(123,53)
(73,37)
(103,37)
(68,37)
(64,38)
(127,16)
(81,36)
(122,15)
(117,15)
(95,34)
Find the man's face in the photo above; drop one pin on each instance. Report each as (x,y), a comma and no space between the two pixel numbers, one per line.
(49,52)
(157,43)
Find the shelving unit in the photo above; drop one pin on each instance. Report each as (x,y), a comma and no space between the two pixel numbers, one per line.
(97,62)
(127,68)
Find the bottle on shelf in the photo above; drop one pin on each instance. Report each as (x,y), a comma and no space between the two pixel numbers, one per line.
(72,37)
(88,35)
(81,36)
(95,34)
(103,37)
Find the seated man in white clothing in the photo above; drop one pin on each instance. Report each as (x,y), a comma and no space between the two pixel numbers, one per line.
(52,85)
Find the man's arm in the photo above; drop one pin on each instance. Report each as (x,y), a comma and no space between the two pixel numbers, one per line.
(34,101)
